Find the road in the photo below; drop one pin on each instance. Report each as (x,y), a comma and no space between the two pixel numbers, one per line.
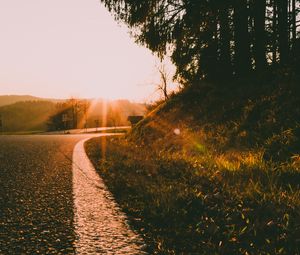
(46,192)
(89,130)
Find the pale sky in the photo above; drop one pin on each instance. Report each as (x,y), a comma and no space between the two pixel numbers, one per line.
(64,48)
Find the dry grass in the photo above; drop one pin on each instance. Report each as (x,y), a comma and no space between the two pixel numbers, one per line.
(233,203)
(212,171)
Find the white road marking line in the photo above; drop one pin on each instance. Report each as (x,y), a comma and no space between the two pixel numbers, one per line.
(100,226)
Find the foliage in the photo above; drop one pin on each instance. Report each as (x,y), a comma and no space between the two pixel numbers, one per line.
(216,40)
(67,114)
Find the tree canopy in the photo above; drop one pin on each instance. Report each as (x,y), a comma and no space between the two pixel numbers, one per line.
(215,39)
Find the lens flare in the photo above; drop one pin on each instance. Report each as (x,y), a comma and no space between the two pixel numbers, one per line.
(177,131)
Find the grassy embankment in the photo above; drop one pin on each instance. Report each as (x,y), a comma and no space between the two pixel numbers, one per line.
(227,183)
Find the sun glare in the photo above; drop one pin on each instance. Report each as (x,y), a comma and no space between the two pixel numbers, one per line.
(84,53)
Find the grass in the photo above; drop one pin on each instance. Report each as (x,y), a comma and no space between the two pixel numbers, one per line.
(211,171)
(21,133)
(205,204)
(115,130)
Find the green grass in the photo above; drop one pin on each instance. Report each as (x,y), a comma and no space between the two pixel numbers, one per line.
(197,201)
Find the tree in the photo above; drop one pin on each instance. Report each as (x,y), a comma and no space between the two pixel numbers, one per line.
(260,35)
(273,31)
(114,117)
(164,77)
(215,40)
(84,106)
(294,21)
(225,39)
(68,114)
(242,39)
(283,31)
(60,118)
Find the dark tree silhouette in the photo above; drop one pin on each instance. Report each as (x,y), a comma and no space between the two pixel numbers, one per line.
(260,35)
(214,39)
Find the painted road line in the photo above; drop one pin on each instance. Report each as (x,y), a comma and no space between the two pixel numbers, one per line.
(100,226)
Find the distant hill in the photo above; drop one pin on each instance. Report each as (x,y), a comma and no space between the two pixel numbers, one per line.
(31,113)
(11,99)
(26,115)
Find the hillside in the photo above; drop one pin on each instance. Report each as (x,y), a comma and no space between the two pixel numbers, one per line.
(11,99)
(262,117)
(34,115)
(213,169)
(26,116)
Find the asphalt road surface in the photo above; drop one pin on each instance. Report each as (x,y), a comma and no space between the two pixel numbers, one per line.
(42,196)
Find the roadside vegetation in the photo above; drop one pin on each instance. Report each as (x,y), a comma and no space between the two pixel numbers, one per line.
(211,172)
(215,168)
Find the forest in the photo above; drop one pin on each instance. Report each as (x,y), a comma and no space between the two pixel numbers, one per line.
(217,40)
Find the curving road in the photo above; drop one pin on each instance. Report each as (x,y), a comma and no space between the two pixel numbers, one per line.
(48,206)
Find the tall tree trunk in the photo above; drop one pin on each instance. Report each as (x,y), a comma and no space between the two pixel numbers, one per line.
(294,27)
(260,35)
(242,44)
(209,54)
(283,31)
(225,54)
(274,30)
(213,53)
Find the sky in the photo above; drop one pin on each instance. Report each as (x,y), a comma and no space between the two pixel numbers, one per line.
(71,48)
